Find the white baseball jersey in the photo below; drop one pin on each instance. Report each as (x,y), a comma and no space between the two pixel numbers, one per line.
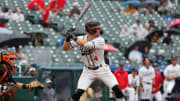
(172,70)
(134,81)
(92,52)
(93,56)
(147,74)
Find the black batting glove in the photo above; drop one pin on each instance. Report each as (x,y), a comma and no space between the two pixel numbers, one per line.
(69,31)
(67,38)
(74,37)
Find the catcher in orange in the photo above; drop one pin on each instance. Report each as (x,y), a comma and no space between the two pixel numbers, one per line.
(7,83)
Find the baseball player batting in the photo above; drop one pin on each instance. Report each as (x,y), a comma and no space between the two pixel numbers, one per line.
(91,47)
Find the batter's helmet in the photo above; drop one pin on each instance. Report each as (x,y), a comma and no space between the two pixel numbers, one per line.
(92,25)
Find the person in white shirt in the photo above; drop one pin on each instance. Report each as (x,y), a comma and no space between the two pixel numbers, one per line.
(133,80)
(23,59)
(1,13)
(125,31)
(171,73)
(135,55)
(147,79)
(18,16)
(9,15)
(137,29)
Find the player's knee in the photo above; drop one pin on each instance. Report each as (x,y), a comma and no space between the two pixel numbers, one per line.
(76,96)
(117,91)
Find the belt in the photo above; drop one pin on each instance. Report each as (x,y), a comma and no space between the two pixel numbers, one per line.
(93,68)
(148,83)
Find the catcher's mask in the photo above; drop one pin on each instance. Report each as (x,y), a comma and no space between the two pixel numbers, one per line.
(91,26)
(8,58)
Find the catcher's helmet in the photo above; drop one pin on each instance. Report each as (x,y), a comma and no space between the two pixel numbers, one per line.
(7,58)
(92,25)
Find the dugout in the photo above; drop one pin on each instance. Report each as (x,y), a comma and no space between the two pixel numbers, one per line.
(64,79)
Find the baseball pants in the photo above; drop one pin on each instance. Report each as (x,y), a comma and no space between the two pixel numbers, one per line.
(103,73)
(168,87)
(147,93)
(157,96)
(129,94)
(136,97)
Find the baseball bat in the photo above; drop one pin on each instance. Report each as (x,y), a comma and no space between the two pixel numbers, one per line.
(85,9)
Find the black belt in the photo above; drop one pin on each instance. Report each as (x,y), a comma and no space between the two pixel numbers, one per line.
(93,68)
(148,83)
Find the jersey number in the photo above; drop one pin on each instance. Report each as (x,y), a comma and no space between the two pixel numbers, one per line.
(95,58)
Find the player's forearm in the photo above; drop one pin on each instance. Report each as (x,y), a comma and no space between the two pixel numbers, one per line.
(66,46)
(176,77)
(137,88)
(19,86)
(141,82)
(55,99)
(132,60)
(168,77)
(81,42)
(26,70)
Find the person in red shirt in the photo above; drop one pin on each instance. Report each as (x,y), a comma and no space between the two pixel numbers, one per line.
(158,83)
(46,15)
(122,78)
(57,4)
(36,5)
(2,25)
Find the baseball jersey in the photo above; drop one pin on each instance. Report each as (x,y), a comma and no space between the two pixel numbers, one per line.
(134,81)
(122,78)
(147,74)
(92,52)
(172,70)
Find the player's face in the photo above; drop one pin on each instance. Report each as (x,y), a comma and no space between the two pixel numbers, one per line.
(155,68)
(121,68)
(146,62)
(134,73)
(49,85)
(33,73)
(98,31)
(174,62)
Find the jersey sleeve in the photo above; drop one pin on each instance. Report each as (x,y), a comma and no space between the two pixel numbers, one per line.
(129,79)
(98,43)
(153,75)
(130,56)
(178,71)
(141,73)
(73,44)
(166,71)
(137,81)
